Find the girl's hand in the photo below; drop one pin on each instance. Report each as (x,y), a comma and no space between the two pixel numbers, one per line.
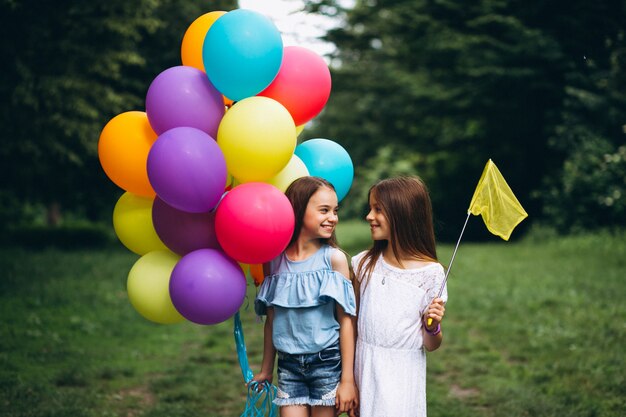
(354,412)
(261,377)
(435,311)
(346,399)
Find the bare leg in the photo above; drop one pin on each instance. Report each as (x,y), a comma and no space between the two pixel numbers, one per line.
(295,411)
(320,411)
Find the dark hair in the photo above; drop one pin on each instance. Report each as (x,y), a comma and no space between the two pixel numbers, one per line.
(299,193)
(406,205)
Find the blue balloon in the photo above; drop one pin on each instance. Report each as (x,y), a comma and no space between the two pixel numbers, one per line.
(242,53)
(329,160)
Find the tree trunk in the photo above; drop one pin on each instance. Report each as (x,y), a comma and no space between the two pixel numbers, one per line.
(53,214)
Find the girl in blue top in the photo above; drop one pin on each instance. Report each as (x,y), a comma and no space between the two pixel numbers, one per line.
(310,306)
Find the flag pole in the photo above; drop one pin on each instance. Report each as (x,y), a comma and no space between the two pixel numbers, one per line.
(443,285)
(496,203)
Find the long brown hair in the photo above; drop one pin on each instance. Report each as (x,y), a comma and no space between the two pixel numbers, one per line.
(406,205)
(299,193)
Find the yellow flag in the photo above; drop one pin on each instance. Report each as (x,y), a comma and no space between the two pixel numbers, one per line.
(496,203)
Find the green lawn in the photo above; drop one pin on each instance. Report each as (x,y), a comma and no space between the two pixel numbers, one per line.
(533,328)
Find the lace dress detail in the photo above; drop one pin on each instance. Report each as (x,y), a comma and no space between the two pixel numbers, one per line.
(430,280)
(390,363)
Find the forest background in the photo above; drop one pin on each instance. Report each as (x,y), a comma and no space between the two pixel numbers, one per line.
(433,88)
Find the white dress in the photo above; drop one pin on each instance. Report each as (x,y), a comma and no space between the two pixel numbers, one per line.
(390,362)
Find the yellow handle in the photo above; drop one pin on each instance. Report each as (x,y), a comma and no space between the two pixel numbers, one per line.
(429,321)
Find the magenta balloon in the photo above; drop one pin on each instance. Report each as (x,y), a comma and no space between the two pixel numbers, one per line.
(254,222)
(183,232)
(184,96)
(187,169)
(207,287)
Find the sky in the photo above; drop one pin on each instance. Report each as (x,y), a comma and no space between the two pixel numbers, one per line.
(297,28)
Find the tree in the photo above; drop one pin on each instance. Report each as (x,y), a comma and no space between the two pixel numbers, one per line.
(589,182)
(71,67)
(448,84)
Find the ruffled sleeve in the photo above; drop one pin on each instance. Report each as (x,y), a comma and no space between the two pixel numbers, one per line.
(308,289)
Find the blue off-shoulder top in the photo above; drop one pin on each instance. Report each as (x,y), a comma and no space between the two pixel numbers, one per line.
(304,295)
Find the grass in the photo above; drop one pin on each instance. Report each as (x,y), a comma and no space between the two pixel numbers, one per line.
(533,328)
(71,345)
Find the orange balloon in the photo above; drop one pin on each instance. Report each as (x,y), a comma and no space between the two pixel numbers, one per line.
(256,270)
(191,48)
(123,150)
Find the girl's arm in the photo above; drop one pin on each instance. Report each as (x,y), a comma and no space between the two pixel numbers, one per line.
(269,351)
(432,334)
(347,398)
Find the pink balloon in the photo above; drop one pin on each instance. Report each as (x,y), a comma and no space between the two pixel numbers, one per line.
(254,222)
(302,84)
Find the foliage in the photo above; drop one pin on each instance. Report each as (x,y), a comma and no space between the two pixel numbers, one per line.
(452,84)
(67,236)
(517,336)
(588,191)
(433,88)
(70,67)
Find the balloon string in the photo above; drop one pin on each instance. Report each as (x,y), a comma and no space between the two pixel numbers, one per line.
(259,402)
(242,353)
(260,397)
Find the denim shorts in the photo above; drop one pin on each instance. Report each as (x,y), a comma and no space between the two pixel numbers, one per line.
(310,378)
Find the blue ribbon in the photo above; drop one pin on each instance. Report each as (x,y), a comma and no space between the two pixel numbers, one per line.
(259,401)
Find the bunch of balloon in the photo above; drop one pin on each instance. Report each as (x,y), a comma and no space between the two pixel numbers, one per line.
(205,167)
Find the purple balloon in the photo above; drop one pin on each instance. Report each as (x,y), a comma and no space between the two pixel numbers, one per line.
(183,232)
(207,286)
(187,169)
(184,96)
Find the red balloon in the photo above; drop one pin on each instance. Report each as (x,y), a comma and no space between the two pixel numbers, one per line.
(254,222)
(302,84)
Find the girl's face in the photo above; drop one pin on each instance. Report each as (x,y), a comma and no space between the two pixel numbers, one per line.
(320,217)
(379,226)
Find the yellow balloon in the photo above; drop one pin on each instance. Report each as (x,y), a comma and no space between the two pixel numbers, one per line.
(294,170)
(299,129)
(244,267)
(191,48)
(132,221)
(258,137)
(148,287)
(229,181)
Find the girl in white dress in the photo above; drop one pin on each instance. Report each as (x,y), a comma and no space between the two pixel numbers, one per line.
(398,280)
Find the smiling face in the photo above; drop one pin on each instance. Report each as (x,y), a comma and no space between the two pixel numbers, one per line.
(320,217)
(379,225)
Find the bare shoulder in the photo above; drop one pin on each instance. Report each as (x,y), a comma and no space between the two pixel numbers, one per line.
(339,262)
